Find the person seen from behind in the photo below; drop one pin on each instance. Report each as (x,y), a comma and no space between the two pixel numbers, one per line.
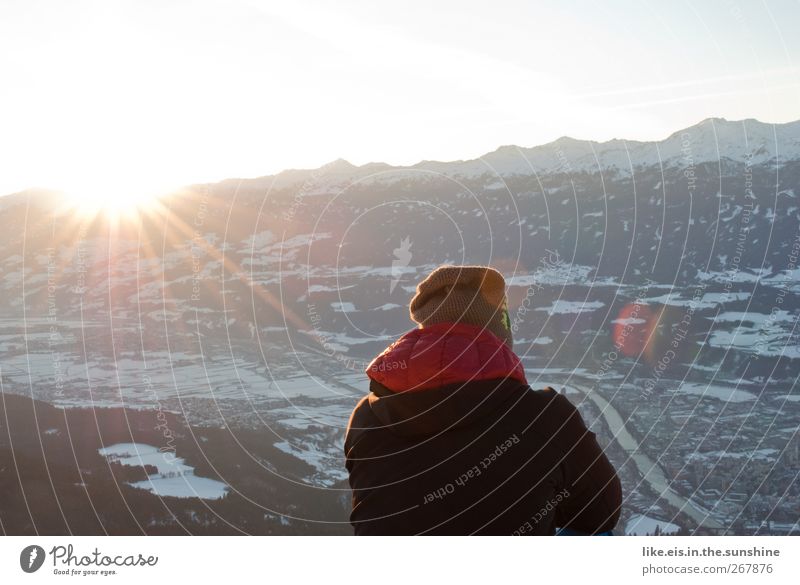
(452,440)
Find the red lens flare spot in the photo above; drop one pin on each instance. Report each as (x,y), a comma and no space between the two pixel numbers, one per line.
(632,328)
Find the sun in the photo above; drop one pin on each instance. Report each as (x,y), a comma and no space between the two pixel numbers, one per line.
(112,201)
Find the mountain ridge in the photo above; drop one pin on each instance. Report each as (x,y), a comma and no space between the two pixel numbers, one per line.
(710,140)
(564,154)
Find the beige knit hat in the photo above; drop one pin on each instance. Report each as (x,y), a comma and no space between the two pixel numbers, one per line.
(464,294)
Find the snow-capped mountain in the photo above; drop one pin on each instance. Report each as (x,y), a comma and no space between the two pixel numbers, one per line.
(714,140)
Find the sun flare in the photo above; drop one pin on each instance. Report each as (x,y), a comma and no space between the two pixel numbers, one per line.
(112,202)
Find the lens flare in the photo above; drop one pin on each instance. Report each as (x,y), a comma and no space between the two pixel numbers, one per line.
(633,328)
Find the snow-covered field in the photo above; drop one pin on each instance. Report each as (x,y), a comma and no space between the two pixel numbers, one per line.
(725,393)
(772,341)
(561,307)
(642,525)
(328,461)
(174,478)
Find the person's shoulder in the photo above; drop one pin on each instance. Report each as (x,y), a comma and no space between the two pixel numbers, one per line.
(551,398)
(361,420)
(362,414)
(554,410)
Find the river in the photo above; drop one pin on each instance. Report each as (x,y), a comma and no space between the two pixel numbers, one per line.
(650,471)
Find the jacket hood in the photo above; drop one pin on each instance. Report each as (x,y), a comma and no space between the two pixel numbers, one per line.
(443,354)
(441,377)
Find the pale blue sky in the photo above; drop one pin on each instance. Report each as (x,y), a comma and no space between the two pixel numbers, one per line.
(157,94)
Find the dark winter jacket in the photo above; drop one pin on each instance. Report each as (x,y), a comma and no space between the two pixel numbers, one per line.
(452,440)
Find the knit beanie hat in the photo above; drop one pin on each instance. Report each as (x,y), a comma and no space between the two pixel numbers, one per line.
(464,294)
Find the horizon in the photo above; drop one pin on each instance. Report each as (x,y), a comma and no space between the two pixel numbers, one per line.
(189,183)
(178,93)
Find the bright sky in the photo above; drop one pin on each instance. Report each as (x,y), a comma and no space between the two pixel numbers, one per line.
(149,95)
